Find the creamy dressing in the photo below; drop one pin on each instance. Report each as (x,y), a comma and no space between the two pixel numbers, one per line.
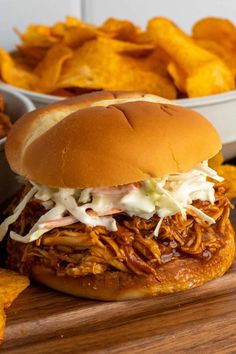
(162,196)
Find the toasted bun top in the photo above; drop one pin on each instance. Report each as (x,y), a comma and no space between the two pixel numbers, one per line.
(87,141)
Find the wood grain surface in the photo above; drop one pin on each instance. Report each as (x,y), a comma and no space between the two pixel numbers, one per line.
(201,320)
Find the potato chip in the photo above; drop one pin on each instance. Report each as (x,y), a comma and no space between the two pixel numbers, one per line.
(204,73)
(120,29)
(14,75)
(126,47)
(74,37)
(178,75)
(177,44)
(24,62)
(11,285)
(229,174)
(226,171)
(156,61)
(222,33)
(209,79)
(142,37)
(72,21)
(59,29)
(99,65)
(143,81)
(90,66)
(34,54)
(2,323)
(38,36)
(216,161)
(216,29)
(49,69)
(220,51)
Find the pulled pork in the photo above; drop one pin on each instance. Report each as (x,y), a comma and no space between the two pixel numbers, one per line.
(78,249)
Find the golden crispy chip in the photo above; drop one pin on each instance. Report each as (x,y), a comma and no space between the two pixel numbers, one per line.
(180,47)
(178,75)
(132,49)
(216,161)
(226,171)
(220,51)
(59,29)
(215,29)
(73,21)
(34,54)
(205,73)
(222,33)
(24,63)
(2,323)
(14,75)
(73,32)
(155,62)
(75,36)
(143,81)
(89,66)
(98,65)
(128,48)
(120,29)
(78,32)
(209,79)
(229,174)
(142,37)
(38,36)
(11,285)
(49,69)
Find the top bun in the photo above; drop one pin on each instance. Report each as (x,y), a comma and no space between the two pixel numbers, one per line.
(107,139)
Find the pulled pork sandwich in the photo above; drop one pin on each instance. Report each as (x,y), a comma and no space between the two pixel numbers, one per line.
(120,202)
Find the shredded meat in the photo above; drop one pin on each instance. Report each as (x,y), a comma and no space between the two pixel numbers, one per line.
(78,249)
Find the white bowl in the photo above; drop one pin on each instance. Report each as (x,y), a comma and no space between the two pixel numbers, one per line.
(39,99)
(219,109)
(16,106)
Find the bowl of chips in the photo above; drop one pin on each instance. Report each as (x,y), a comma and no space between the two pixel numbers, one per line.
(12,106)
(73,57)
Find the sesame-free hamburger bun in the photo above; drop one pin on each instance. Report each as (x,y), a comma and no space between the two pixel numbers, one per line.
(107,139)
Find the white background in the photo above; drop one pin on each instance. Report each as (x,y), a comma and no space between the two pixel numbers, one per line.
(183,12)
(19,13)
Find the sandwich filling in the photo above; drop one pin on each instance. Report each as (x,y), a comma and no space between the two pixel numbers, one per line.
(133,227)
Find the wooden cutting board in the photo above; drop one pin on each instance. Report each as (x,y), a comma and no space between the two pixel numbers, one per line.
(201,320)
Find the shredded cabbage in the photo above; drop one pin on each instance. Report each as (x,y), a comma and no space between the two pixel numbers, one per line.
(162,196)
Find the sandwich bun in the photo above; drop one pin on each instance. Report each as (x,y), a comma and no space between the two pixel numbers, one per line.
(108,139)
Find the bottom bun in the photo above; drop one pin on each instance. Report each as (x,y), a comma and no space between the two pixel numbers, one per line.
(177,275)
